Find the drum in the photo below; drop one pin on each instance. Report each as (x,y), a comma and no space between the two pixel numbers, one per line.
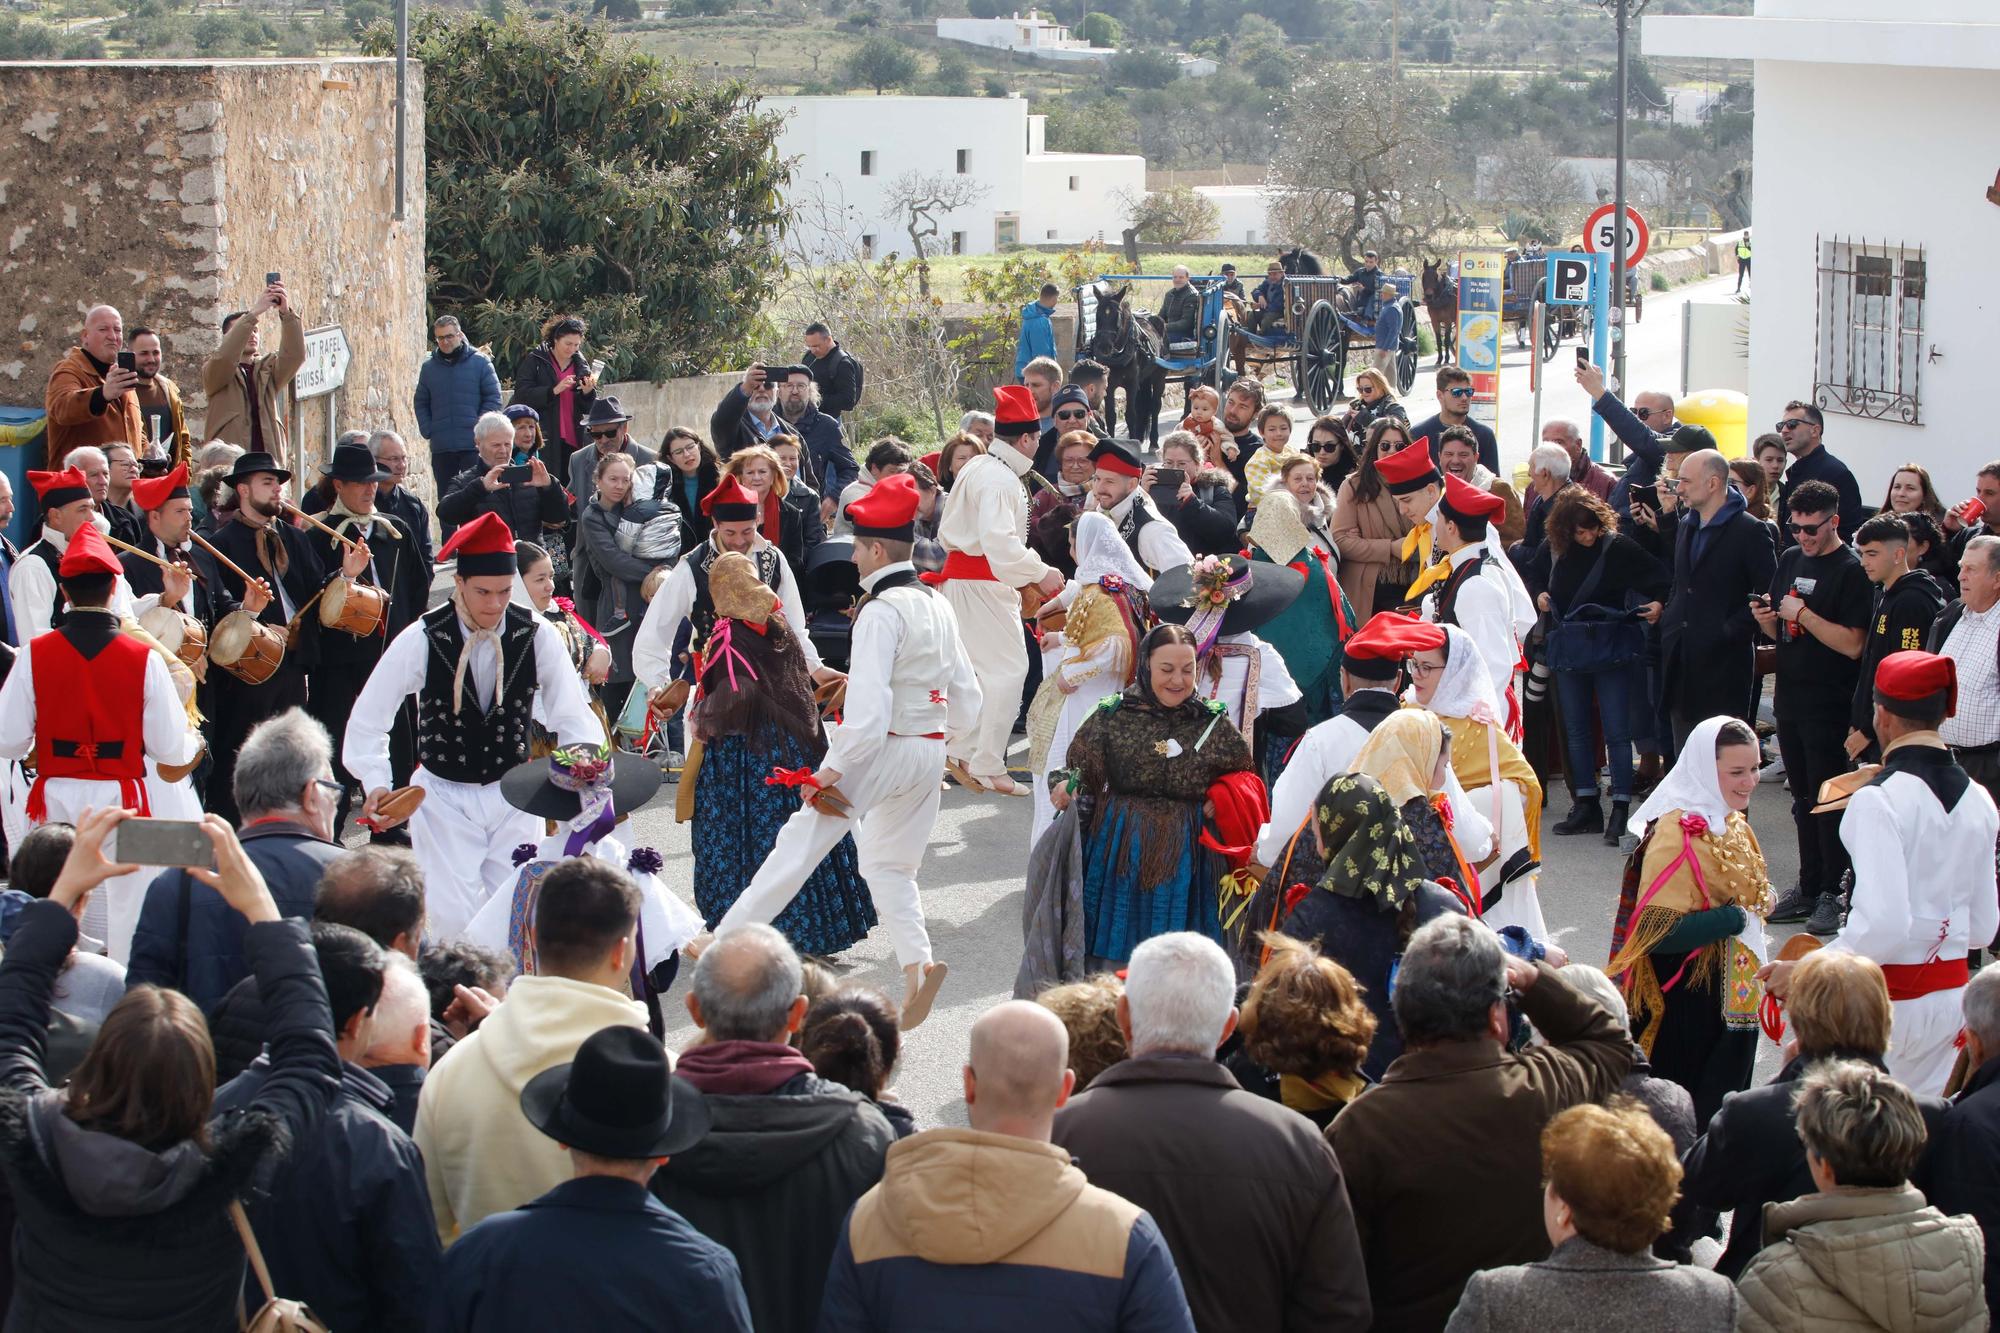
(353,607)
(180,633)
(247,648)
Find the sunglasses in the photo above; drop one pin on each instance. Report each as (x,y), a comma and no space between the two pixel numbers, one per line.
(1791,422)
(611,434)
(1643,413)
(1808,529)
(1071,416)
(1460,392)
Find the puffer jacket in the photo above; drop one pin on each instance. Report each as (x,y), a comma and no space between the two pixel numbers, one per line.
(1865,1259)
(453,392)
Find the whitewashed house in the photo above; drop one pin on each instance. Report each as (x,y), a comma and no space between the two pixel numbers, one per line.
(1031,36)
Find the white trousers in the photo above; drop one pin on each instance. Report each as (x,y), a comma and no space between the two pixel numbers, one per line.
(1922,1037)
(112,911)
(989,625)
(895,806)
(464,837)
(1520,902)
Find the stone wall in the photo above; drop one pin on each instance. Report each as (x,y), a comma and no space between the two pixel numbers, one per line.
(169,188)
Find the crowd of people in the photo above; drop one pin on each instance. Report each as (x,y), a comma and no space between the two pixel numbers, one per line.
(1294,1043)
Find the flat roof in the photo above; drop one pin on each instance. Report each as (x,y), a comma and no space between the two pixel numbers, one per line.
(1825,41)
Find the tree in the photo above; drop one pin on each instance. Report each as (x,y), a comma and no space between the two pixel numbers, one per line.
(1179,215)
(1143,69)
(952,76)
(920,201)
(1530,176)
(1101,30)
(593,180)
(882,63)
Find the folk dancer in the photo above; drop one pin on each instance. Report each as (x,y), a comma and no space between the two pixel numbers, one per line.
(1237,668)
(909,684)
(33,586)
(1921,836)
(1114,487)
(477,667)
(94,705)
(987,567)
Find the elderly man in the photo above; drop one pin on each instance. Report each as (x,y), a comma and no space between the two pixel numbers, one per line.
(1115,493)
(1180,308)
(1246,1191)
(456,386)
(1453,1129)
(89,398)
(898,1264)
(1584,470)
(392,497)
(524,497)
(121,469)
(246,392)
(829,463)
(1968,632)
(163,419)
(610,428)
(1646,429)
(1548,472)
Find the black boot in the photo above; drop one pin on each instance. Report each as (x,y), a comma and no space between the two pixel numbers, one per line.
(1614,827)
(1586,816)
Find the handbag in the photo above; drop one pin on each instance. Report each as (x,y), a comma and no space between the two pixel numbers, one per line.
(276,1314)
(1593,637)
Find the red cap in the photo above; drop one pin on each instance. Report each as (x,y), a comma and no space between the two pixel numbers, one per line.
(1410,468)
(1463,498)
(55,489)
(889,511)
(1118,458)
(729,502)
(1014,406)
(483,546)
(1378,648)
(150,493)
(1914,684)
(88,553)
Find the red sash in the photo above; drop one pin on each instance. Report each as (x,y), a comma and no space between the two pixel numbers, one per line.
(959,565)
(1911,981)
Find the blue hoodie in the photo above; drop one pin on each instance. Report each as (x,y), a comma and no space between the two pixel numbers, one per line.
(1732,505)
(1038,336)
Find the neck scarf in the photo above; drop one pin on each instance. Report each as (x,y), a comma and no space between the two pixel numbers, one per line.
(271,552)
(473,638)
(1369,850)
(1692,786)
(340,518)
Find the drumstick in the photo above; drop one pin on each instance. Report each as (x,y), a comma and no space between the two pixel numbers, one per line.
(351,544)
(224,560)
(148,555)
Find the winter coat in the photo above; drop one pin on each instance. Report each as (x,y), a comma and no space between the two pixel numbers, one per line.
(1707,635)
(113,1235)
(535,386)
(1582,1285)
(1865,1259)
(1245,1191)
(192,941)
(1368,535)
(618,608)
(398,503)
(839,378)
(79,414)
(583,469)
(1960,1172)
(222,381)
(1006,1234)
(1360,416)
(1037,338)
(528,510)
(346,1225)
(453,392)
(1207,522)
(1180,313)
(1670,1104)
(481,1155)
(826,462)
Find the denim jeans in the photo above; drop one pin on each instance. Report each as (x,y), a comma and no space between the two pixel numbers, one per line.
(1607,696)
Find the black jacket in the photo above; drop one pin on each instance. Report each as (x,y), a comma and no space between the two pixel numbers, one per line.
(347,1225)
(1207,523)
(1901,619)
(1819,465)
(1180,313)
(527,510)
(839,379)
(828,464)
(305,574)
(114,1236)
(1630,576)
(535,385)
(1960,1172)
(211,600)
(1648,450)
(799,527)
(1707,634)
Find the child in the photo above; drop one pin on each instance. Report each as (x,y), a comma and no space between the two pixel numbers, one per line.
(1275,425)
(1216,446)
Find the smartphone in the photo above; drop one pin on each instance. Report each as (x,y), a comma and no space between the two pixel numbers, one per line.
(272,279)
(126,361)
(1648,496)
(1582,357)
(1166,492)
(518,473)
(162,842)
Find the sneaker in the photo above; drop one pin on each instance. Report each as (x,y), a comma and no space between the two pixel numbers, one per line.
(1628,844)
(1773,771)
(1825,918)
(1586,816)
(1794,906)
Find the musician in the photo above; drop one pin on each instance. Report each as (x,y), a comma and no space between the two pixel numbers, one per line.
(258,541)
(481,669)
(194,587)
(67,504)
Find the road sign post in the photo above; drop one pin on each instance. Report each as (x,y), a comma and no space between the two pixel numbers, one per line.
(1624,245)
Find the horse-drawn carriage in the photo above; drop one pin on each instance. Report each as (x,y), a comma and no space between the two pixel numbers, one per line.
(1132,346)
(1324,323)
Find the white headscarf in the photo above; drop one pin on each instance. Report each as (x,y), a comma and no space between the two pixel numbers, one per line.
(1465,689)
(1692,786)
(1100,551)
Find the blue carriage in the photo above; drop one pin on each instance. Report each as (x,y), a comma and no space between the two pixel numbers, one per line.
(1194,361)
(1325,327)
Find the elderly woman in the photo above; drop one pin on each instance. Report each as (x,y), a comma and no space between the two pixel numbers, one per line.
(620,604)
(1610,1176)
(557,382)
(1304,1021)
(1368,528)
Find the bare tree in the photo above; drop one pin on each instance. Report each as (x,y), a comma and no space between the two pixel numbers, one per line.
(920,200)
(1178,215)
(1531,178)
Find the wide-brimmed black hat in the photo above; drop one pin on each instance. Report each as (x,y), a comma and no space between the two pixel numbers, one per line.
(531,787)
(1272,589)
(605,412)
(255,462)
(353,462)
(618,1098)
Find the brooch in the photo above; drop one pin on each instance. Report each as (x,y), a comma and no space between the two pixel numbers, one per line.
(1168,749)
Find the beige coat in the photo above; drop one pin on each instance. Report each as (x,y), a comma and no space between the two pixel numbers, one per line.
(1864,1259)
(228,415)
(1367,534)
(72,384)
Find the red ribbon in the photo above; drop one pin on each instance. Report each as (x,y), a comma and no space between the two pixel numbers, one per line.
(1771,1017)
(792,777)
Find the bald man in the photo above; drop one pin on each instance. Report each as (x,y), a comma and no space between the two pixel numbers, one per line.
(993,1227)
(90,398)
(1722,556)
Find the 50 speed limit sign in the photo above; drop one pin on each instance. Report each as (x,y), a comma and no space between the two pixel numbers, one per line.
(1599,237)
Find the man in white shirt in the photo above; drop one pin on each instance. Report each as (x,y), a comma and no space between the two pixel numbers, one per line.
(32,586)
(1476,596)
(1968,632)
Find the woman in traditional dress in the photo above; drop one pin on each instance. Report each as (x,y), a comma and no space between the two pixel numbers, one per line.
(1142,764)
(1689,937)
(1409,753)
(1453,683)
(1291,528)
(1225,600)
(754,715)
(1095,651)
(535,586)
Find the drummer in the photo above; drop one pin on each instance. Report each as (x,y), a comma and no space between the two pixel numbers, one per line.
(194,586)
(351,643)
(259,541)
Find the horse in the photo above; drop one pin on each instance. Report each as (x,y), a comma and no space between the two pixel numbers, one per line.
(1300,261)
(1441,300)
(1127,344)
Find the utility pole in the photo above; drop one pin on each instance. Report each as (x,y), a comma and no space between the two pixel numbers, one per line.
(1396,42)
(1622,14)
(402,106)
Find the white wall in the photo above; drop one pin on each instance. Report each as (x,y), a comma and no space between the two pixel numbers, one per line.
(1095,210)
(1245,215)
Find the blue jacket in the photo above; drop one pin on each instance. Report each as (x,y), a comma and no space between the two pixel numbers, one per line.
(1038,336)
(1648,446)
(453,392)
(595,1253)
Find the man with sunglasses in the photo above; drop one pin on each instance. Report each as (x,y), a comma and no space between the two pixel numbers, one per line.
(1802,428)
(1454,395)
(1646,429)
(610,429)
(1069,411)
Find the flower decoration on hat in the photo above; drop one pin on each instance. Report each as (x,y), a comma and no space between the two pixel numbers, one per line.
(1215,584)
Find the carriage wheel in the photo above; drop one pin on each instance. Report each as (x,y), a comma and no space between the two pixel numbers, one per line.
(1322,357)
(1551,333)
(1212,375)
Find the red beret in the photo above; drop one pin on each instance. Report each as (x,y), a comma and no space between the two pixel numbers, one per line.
(150,493)
(729,502)
(889,511)
(1462,497)
(1014,406)
(56,489)
(1919,682)
(1410,468)
(88,553)
(483,546)
(1393,636)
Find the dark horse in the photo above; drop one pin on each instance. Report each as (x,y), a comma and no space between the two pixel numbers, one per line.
(1299,261)
(1127,343)
(1441,301)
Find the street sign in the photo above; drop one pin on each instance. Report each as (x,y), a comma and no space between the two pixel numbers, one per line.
(1600,239)
(1480,277)
(325,367)
(1569,279)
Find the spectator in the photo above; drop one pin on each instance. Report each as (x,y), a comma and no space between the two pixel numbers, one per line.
(1454,396)
(886,457)
(90,398)
(835,371)
(609,426)
(1240,407)
(1031,1244)
(1206,515)
(1646,429)
(399,1042)
(1583,469)
(829,463)
(619,1115)
(1768,450)
(1374,399)
(620,603)
(1268,307)
(481,1154)
(979,425)
(1037,340)
(1818,611)
(959,450)
(1802,428)
(1666,1101)
(455,387)
(1246,1192)
(1459,452)
(1261,469)
(1091,377)
(789,1152)
(1968,632)
(1911,492)
(1333,449)
(449,970)
(395,499)
(246,392)
(1960,1171)
(1549,465)
(555,380)
(1088,1010)
(1042,378)
(1180,308)
(1749,479)
(1070,411)
(528,505)
(1452,1128)
(1611,1179)
(691,471)
(89,984)
(1966,520)
(284,788)
(1230,282)
(121,470)
(163,428)
(853,1037)
(1907,600)
(1929,551)
(758,469)
(1304,1021)
(1721,556)
(1864,1250)
(345,1224)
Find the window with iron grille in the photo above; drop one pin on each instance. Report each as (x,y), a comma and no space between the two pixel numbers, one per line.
(1870,342)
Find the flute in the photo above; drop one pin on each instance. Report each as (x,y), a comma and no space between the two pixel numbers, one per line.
(225,561)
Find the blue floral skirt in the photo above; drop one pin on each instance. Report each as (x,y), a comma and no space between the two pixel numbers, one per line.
(1120,910)
(736,822)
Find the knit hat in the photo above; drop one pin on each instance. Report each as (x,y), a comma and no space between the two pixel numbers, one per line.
(88,553)
(889,511)
(56,489)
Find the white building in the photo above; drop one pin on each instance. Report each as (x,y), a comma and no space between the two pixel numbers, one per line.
(1030,36)
(854,149)
(1874,162)
(1244,214)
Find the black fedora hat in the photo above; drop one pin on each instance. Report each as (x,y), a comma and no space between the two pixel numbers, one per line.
(605,412)
(531,787)
(1272,589)
(353,462)
(618,1098)
(250,464)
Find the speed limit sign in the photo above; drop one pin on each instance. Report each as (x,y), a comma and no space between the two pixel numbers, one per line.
(1600,239)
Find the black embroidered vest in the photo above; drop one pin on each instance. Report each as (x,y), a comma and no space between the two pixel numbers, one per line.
(1447,596)
(474,744)
(1137,516)
(703,615)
